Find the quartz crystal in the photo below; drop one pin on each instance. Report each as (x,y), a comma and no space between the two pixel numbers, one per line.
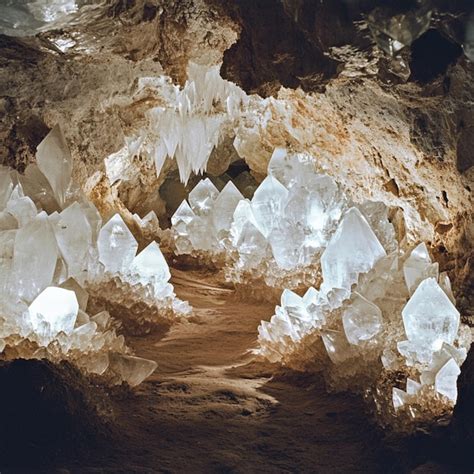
(446,378)
(116,244)
(353,249)
(362,320)
(224,207)
(151,266)
(429,316)
(202,197)
(55,162)
(53,311)
(133,369)
(418,267)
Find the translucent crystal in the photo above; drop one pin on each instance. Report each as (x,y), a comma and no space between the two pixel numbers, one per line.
(294,305)
(74,236)
(267,204)
(150,265)
(117,246)
(23,209)
(251,244)
(362,320)
(81,294)
(290,169)
(413,387)
(56,306)
(445,284)
(353,249)
(202,197)
(446,380)
(243,213)
(183,214)
(6,186)
(224,206)
(55,162)
(429,316)
(336,345)
(34,257)
(399,398)
(418,267)
(134,370)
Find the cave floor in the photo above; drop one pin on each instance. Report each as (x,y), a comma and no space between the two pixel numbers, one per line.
(210,407)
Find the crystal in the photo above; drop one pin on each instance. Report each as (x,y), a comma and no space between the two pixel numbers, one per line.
(56,306)
(446,380)
(413,387)
(251,244)
(418,267)
(117,246)
(150,265)
(243,213)
(55,162)
(134,370)
(290,169)
(336,345)
(267,204)
(353,249)
(34,257)
(81,294)
(362,320)
(183,214)
(6,186)
(429,317)
(395,27)
(445,284)
(224,206)
(399,398)
(294,305)
(74,237)
(23,209)
(202,197)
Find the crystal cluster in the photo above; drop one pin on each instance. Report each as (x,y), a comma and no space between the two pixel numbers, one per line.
(186,127)
(53,249)
(383,325)
(279,235)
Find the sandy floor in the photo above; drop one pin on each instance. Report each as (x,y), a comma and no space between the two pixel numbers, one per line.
(210,407)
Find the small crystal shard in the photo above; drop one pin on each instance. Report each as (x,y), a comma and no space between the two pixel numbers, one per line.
(57,307)
(117,246)
(429,316)
(446,380)
(399,398)
(134,370)
(362,320)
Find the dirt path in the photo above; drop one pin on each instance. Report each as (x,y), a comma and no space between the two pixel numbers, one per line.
(210,408)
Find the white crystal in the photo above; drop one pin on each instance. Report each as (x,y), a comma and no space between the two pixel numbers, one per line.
(362,320)
(353,249)
(23,209)
(202,197)
(399,398)
(34,257)
(429,316)
(134,370)
(418,267)
(150,265)
(267,204)
(56,306)
(183,214)
(224,207)
(74,236)
(336,345)
(117,246)
(413,387)
(55,162)
(446,380)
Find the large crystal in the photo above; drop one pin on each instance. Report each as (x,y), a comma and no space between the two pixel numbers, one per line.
(362,320)
(429,316)
(117,246)
(224,206)
(353,249)
(150,265)
(74,236)
(58,308)
(55,162)
(34,257)
(267,204)
(202,197)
